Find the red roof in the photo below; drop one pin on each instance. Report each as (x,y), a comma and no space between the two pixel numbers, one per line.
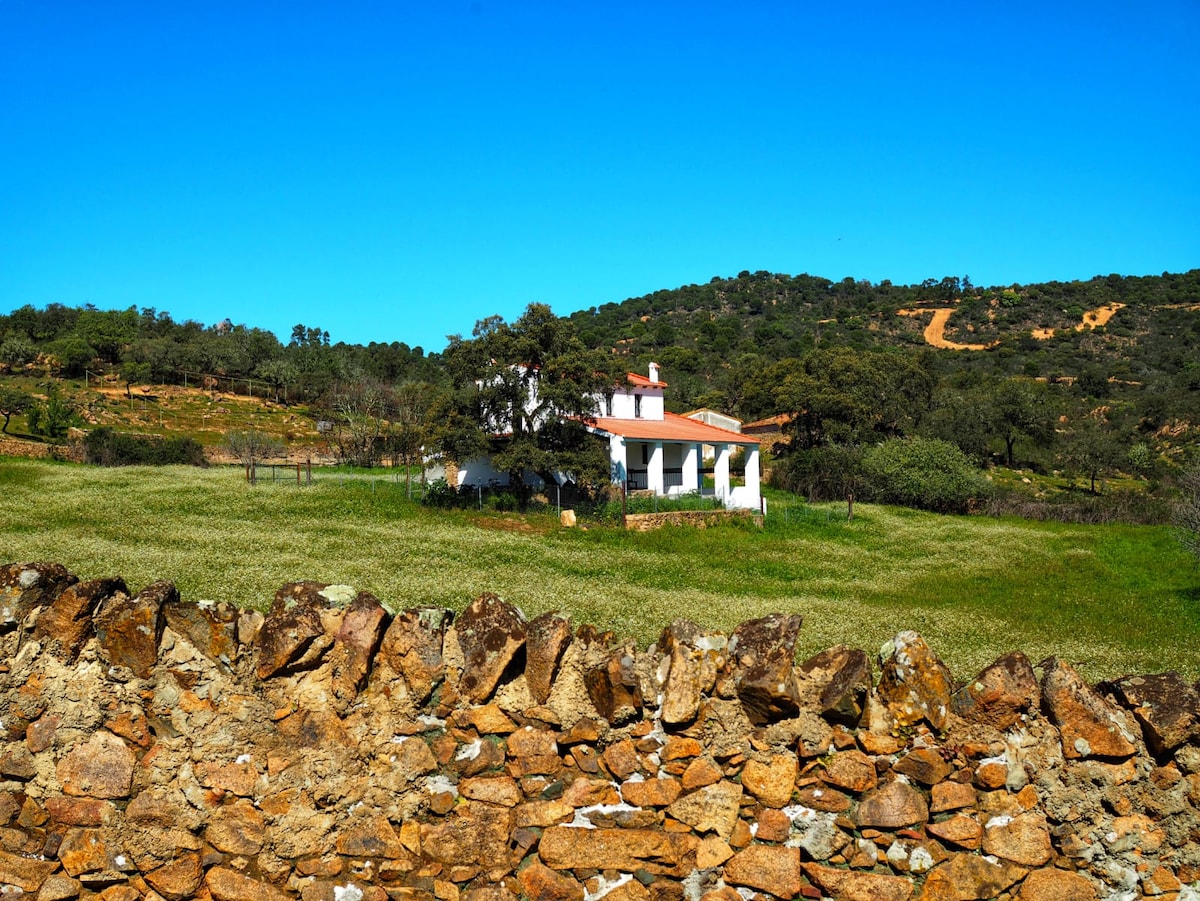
(672,427)
(640,381)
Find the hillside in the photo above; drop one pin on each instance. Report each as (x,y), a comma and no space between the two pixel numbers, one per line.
(1141,332)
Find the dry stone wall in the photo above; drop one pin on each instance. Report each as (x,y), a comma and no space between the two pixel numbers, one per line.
(328,750)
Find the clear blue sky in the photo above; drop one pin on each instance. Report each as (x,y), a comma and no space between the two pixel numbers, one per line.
(395,171)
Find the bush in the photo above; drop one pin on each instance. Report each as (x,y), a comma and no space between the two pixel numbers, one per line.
(925,473)
(104,447)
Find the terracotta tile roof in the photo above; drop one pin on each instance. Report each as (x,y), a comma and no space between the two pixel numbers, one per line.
(672,427)
(640,381)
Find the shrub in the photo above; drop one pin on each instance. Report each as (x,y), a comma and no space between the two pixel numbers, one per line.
(104,447)
(925,473)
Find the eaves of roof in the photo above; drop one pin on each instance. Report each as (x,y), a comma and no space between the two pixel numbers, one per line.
(672,427)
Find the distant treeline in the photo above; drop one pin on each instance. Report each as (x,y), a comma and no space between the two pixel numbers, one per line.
(1053,390)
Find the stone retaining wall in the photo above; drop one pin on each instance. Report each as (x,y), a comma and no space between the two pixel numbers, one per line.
(644,522)
(330,751)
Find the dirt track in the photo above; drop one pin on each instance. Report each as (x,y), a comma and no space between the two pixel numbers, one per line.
(1092,319)
(935,332)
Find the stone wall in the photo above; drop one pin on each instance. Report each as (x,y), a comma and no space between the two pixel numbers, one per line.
(155,748)
(697,519)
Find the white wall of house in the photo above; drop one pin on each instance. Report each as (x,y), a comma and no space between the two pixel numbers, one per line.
(625,406)
(479,471)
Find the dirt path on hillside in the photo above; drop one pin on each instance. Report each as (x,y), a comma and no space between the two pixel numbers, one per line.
(935,332)
(1092,320)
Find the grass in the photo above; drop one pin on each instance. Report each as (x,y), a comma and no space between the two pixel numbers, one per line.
(1111,599)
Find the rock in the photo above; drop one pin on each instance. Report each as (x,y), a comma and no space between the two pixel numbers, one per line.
(66,623)
(355,645)
(69,811)
(490,632)
(26,873)
(914,685)
(85,851)
(17,763)
(773,869)
(960,830)
(292,629)
(713,808)
(488,719)
(974,878)
(101,767)
(1056,885)
(924,765)
(614,688)
(658,852)
(57,887)
(773,784)
(179,879)
(210,628)
(39,735)
(371,836)
(545,884)
(1000,694)
(502,790)
(474,834)
(851,770)
(651,792)
(226,884)
(129,629)
(546,641)
(817,833)
(25,587)
(951,796)
(1022,839)
(1089,725)
(237,828)
(840,677)
(892,806)
(692,659)
(1165,706)
(762,652)
(847,885)
(412,649)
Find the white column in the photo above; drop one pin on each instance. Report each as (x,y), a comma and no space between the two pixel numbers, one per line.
(654,476)
(691,467)
(752,474)
(721,471)
(617,459)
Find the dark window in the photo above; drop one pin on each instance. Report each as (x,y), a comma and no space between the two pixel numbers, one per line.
(637,406)
(645,453)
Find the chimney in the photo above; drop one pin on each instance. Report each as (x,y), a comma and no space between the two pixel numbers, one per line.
(654,372)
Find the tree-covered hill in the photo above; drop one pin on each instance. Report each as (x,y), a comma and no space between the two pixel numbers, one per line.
(712,338)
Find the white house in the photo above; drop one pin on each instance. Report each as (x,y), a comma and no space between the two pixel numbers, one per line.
(653,450)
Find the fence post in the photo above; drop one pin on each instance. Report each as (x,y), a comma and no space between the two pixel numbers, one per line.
(479,491)
(308,470)
(850,507)
(297,472)
(624,495)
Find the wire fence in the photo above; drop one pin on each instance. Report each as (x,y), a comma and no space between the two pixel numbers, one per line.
(610,506)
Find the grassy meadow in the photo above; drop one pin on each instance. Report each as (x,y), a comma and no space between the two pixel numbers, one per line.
(1111,599)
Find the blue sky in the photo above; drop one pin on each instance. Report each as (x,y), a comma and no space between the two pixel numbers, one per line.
(394,171)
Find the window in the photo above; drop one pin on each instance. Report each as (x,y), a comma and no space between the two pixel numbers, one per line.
(637,406)
(645,454)
(608,405)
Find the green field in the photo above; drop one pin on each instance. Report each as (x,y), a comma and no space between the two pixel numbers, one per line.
(1111,599)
